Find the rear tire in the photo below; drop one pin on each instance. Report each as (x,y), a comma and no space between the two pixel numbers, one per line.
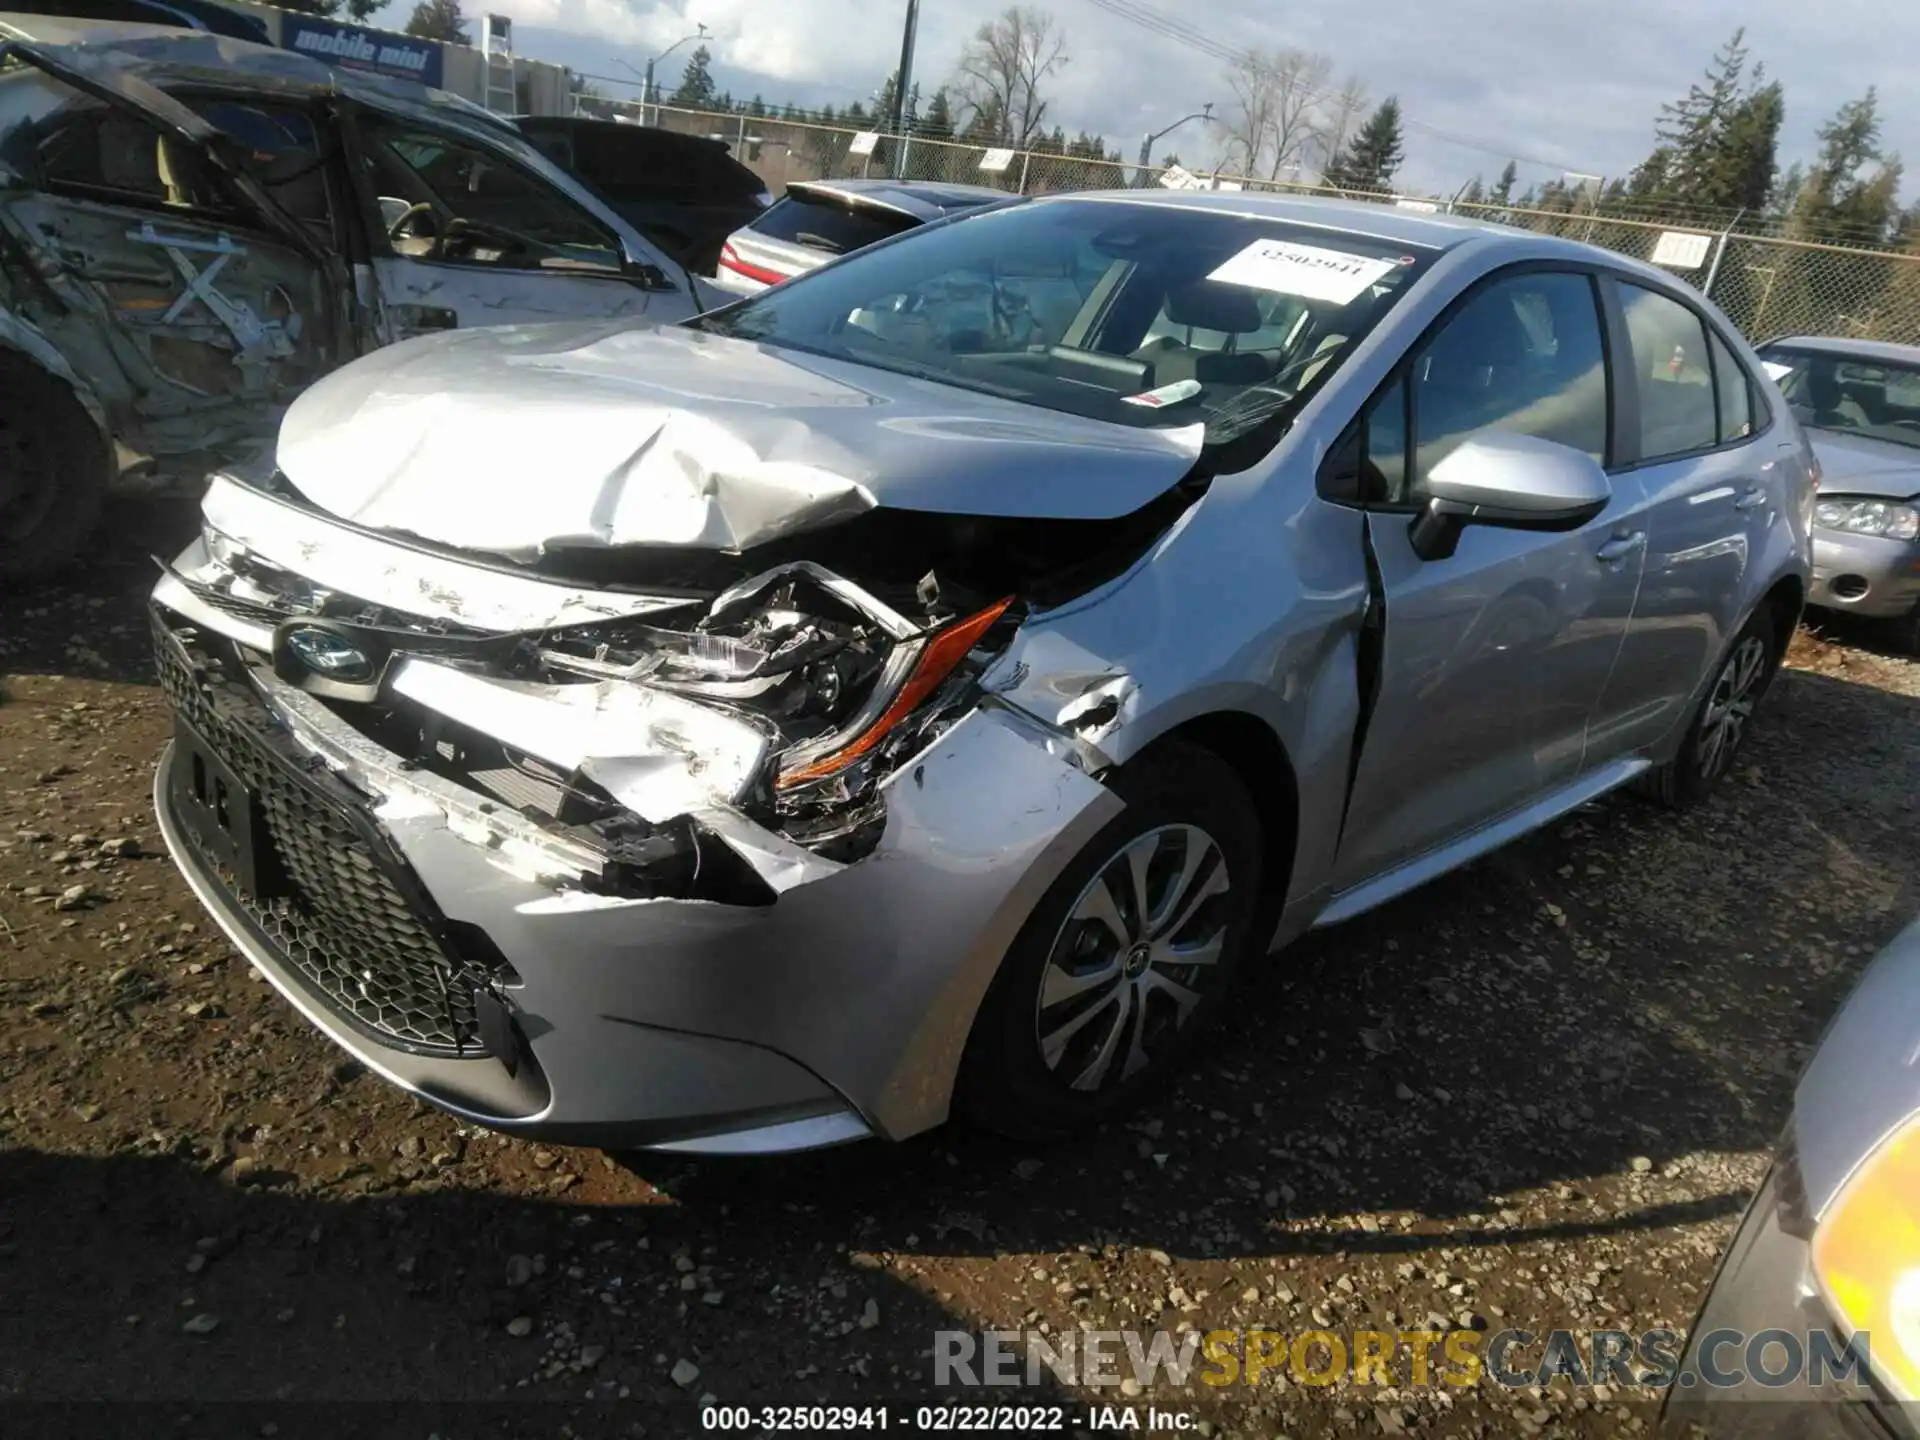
(1907,632)
(1126,959)
(55,466)
(1724,717)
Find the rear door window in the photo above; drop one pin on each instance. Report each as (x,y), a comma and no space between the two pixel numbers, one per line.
(1735,391)
(1672,373)
(820,222)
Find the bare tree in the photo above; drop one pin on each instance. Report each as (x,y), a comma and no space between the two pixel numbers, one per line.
(1336,121)
(1249,120)
(1002,72)
(1301,80)
(1276,100)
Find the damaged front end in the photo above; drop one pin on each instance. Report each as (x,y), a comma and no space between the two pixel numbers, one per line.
(721,746)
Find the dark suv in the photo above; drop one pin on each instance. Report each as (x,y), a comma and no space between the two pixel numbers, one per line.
(685,193)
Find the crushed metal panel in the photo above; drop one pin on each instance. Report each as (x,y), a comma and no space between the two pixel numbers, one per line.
(656,753)
(409,581)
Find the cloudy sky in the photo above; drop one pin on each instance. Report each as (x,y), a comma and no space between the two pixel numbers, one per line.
(1572,85)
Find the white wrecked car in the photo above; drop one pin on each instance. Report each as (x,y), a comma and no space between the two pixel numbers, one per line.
(193,229)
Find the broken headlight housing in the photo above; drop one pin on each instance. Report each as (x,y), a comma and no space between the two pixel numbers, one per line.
(844,683)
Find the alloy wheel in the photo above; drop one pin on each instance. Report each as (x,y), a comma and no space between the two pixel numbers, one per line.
(1730,705)
(1136,955)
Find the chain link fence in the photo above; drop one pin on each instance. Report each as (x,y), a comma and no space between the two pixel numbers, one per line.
(1767,283)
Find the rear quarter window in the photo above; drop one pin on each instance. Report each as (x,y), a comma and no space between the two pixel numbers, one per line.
(823,224)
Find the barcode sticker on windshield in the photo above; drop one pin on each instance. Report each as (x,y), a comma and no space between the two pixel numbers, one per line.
(1166,395)
(1304,270)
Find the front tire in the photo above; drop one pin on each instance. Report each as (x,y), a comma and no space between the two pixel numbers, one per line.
(1721,722)
(1908,632)
(54,469)
(1128,956)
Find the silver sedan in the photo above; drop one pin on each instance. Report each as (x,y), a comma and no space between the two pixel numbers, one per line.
(926,686)
(1860,402)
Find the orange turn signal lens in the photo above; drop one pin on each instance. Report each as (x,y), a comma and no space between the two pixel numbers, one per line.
(937,661)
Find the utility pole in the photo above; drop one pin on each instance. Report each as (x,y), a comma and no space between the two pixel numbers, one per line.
(902,83)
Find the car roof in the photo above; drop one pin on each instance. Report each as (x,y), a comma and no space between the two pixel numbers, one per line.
(922,199)
(1852,349)
(1363,217)
(165,53)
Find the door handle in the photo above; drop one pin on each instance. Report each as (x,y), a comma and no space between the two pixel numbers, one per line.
(1621,546)
(1751,497)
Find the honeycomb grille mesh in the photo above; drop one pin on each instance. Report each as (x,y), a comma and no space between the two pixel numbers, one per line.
(346,926)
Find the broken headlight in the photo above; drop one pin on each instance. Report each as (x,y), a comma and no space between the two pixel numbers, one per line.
(914,671)
(842,680)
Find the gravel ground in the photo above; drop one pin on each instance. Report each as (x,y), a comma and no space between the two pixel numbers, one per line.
(1536,1094)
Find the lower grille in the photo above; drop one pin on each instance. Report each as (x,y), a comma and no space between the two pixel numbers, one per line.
(350,919)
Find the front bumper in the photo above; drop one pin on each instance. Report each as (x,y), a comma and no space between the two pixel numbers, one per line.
(1764,1287)
(1865,574)
(839,1010)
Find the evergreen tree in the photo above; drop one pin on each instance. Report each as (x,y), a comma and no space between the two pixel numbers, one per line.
(1716,146)
(696,90)
(362,10)
(1746,159)
(439,20)
(1368,162)
(1651,178)
(1503,187)
(937,122)
(1786,189)
(1689,128)
(1852,190)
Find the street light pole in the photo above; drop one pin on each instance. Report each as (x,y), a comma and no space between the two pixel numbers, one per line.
(1205,112)
(646,92)
(902,80)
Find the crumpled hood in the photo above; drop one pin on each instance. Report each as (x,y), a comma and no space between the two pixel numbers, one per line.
(519,440)
(1855,465)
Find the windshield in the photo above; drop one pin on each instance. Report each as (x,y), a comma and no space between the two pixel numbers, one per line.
(1857,394)
(1145,315)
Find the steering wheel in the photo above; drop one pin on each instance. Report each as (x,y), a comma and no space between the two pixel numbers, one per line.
(407,216)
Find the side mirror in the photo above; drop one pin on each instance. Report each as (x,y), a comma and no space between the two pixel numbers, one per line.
(1518,482)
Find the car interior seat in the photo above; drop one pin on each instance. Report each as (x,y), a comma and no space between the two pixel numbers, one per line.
(1227,310)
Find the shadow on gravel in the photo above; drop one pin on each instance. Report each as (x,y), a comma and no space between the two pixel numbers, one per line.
(91,621)
(224,1307)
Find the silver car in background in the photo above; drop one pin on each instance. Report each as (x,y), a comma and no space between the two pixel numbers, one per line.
(926,685)
(819,220)
(1812,1327)
(1859,401)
